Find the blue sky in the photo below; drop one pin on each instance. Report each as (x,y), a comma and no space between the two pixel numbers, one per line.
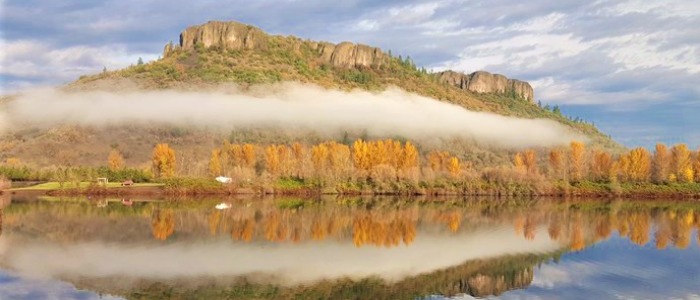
(631,67)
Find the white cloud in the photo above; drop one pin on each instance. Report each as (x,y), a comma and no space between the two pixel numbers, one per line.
(41,62)
(640,51)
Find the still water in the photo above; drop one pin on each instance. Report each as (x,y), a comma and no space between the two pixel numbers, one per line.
(348,248)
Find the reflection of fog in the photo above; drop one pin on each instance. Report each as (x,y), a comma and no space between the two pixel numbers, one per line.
(289,263)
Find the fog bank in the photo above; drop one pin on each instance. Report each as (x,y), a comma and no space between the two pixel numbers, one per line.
(289,263)
(389,113)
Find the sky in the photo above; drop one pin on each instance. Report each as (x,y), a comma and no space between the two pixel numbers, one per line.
(630,67)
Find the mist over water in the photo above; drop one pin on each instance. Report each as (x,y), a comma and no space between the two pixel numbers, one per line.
(390,113)
(288,263)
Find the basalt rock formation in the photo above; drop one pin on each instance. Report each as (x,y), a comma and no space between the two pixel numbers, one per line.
(485,82)
(238,36)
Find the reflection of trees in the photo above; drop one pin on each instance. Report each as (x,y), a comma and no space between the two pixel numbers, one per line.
(682,229)
(243,230)
(378,232)
(554,228)
(603,228)
(162,224)
(214,220)
(453,219)
(578,241)
(382,226)
(639,228)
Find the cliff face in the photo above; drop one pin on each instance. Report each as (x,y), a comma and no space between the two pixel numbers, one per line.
(237,36)
(485,82)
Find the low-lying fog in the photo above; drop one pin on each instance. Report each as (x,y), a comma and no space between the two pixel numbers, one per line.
(389,113)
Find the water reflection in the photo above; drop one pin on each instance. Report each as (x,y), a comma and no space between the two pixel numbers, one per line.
(337,248)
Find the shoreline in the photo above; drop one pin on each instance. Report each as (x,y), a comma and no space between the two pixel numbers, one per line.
(432,193)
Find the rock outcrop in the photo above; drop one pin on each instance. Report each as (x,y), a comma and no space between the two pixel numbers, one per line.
(238,36)
(485,82)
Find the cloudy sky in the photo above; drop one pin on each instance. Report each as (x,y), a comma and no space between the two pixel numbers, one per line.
(631,67)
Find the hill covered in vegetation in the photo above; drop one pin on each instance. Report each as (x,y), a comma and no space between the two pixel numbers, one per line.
(225,56)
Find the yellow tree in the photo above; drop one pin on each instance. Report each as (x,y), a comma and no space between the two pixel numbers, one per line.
(696,168)
(556,163)
(519,162)
(680,160)
(299,157)
(601,165)
(660,164)
(409,157)
(378,153)
(530,161)
(454,167)
(636,165)
(319,157)
(438,160)
(272,160)
(360,155)
(577,160)
(115,160)
(286,160)
(163,160)
(215,163)
(339,159)
(249,156)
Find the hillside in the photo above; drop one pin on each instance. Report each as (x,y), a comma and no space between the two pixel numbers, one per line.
(229,53)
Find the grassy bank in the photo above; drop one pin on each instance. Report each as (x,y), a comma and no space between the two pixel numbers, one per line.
(294,186)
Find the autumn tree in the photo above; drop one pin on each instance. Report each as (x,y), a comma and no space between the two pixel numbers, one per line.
(215,163)
(577,156)
(438,160)
(660,164)
(409,157)
(115,160)
(530,161)
(680,161)
(319,157)
(339,159)
(601,165)
(298,158)
(636,165)
(556,163)
(249,155)
(163,160)
(454,167)
(696,168)
(272,160)
(519,162)
(361,155)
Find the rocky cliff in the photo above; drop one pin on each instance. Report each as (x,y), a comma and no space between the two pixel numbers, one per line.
(238,36)
(485,82)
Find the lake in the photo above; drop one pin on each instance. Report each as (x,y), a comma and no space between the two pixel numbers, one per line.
(348,248)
